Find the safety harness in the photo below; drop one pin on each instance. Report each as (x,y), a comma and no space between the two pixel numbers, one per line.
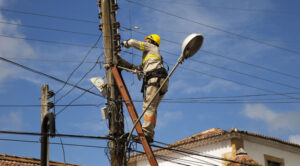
(159,73)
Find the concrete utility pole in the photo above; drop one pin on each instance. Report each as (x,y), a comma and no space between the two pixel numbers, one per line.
(44,110)
(45,106)
(111,40)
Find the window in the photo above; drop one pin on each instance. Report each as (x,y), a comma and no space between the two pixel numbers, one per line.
(273,161)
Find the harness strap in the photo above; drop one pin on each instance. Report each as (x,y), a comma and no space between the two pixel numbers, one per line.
(151,57)
(159,73)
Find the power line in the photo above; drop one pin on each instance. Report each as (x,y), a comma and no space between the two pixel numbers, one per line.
(187,33)
(224,57)
(49,29)
(216,28)
(246,74)
(238,96)
(37,105)
(242,73)
(53,143)
(47,41)
(232,8)
(59,135)
(82,61)
(229,80)
(46,75)
(201,155)
(49,16)
(51,60)
(253,65)
(236,82)
(91,69)
(62,110)
(162,158)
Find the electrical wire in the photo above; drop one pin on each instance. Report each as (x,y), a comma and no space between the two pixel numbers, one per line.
(82,61)
(189,150)
(222,56)
(230,8)
(53,143)
(79,96)
(216,28)
(241,73)
(171,159)
(47,75)
(201,155)
(62,147)
(47,41)
(46,15)
(238,96)
(59,135)
(51,60)
(236,82)
(37,105)
(91,69)
(250,64)
(48,29)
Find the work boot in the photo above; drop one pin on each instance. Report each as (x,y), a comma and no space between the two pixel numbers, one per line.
(148,138)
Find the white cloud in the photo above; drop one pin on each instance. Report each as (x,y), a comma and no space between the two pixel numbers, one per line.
(11,121)
(289,120)
(11,48)
(166,118)
(295,139)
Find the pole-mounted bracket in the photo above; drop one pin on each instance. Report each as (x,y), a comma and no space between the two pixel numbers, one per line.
(115,7)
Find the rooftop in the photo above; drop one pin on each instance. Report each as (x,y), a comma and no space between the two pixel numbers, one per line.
(9,160)
(212,134)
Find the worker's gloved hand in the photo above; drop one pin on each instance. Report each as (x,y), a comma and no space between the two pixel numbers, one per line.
(125,44)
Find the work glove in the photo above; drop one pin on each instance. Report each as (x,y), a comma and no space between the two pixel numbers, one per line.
(125,44)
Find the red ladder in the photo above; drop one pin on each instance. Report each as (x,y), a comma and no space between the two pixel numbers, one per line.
(134,116)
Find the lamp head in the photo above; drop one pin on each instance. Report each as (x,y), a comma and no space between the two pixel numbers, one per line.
(191,46)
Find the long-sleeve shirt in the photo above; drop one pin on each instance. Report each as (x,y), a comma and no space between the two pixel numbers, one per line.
(151,55)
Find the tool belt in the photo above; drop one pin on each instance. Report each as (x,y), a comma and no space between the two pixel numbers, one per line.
(159,73)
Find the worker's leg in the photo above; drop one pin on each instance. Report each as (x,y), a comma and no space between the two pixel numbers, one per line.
(151,113)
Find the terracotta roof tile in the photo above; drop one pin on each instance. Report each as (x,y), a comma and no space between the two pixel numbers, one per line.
(242,157)
(10,160)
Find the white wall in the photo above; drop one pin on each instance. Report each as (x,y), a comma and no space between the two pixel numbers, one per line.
(216,149)
(257,151)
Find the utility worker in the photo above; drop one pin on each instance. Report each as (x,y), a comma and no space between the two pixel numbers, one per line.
(154,74)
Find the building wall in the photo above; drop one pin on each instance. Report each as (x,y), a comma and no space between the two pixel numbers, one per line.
(257,151)
(216,149)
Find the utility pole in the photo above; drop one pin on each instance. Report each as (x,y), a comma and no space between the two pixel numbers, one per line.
(44,111)
(111,40)
(45,106)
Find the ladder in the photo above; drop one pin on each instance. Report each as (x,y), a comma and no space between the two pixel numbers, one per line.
(134,116)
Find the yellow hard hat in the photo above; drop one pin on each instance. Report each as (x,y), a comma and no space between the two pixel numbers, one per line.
(155,38)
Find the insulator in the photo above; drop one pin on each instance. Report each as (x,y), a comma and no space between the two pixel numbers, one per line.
(116,25)
(50,105)
(100,15)
(118,48)
(115,7)
(117,37)
(116,43)
(99,3)
(50,94)
(100,27)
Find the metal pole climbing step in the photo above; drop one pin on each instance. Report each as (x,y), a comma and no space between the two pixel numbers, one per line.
(134,116)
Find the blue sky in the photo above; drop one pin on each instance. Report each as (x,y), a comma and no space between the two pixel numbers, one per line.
(234,66)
